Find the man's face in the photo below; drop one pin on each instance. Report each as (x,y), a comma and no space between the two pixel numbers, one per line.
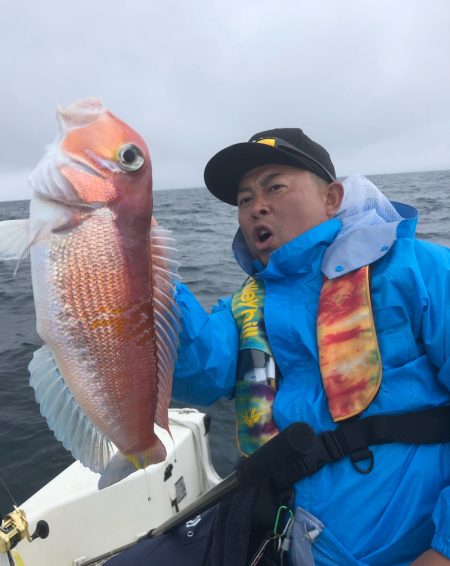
(276,203)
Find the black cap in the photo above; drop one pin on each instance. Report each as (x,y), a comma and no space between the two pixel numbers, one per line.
(284,146)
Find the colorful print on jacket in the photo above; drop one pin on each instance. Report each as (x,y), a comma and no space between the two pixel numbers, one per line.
(255,390)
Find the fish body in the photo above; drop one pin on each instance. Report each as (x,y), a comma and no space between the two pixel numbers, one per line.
(103,291)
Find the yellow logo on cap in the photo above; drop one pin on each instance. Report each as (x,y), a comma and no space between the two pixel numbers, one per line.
(268,141)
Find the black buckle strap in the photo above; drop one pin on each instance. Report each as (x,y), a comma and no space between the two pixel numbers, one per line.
(298,452)
(332,445)
(335,451)
(361,455)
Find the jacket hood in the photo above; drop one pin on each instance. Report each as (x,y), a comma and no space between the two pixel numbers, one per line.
(362,232)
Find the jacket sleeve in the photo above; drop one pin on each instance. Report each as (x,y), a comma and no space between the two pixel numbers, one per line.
(436,337)
(435,266)
(207,354)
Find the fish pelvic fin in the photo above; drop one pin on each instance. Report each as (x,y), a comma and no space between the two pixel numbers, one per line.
(65,418)
(122,465)
(14,240)
(167,316)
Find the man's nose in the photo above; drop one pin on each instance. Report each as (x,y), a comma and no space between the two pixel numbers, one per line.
(260,207)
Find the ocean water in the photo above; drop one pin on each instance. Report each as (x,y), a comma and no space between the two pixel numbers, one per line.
(29,454)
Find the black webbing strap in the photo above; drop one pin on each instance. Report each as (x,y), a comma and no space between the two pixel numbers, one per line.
(298,452)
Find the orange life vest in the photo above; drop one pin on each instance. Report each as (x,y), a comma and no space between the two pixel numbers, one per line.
(349,357)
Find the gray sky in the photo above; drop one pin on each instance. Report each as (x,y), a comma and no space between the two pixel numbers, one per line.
(368,79)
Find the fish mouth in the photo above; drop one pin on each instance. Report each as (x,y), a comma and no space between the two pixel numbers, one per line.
(81,113)
(86,167)
(78,115)
(51,184)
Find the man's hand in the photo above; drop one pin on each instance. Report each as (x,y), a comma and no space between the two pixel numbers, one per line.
(431,558)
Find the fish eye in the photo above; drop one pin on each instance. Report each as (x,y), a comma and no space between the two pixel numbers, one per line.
(130,157)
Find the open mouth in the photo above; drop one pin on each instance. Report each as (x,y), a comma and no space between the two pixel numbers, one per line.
(262,234)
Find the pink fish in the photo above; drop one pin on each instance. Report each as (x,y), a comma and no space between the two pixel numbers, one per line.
(103,284)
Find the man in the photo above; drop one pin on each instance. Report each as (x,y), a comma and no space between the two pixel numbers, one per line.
(305,240)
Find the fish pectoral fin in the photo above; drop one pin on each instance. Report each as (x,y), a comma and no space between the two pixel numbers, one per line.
(65,418)
(122,465)
(14,239)
(17,236)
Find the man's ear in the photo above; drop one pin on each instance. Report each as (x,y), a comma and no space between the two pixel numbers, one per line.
(334,196)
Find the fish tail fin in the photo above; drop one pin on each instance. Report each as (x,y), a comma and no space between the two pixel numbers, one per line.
(122,465)
(154,455)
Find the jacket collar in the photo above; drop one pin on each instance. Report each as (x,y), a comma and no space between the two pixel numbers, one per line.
(361,244)
(332,246)
(300,255)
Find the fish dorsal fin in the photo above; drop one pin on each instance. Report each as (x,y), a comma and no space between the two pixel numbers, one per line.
(64,416)
(167,316)
(14,239)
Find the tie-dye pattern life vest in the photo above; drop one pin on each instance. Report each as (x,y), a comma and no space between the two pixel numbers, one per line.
(349,357)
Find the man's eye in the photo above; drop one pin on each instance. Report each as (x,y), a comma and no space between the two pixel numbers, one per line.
(243,201)
(275,187)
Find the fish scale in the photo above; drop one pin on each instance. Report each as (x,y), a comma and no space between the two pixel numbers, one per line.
(89,289)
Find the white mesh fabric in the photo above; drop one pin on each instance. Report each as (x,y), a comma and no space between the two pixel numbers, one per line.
(365,204)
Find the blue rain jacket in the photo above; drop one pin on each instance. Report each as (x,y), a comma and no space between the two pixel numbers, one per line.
(402,507)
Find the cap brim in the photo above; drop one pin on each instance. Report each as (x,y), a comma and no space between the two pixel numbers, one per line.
(225,169)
